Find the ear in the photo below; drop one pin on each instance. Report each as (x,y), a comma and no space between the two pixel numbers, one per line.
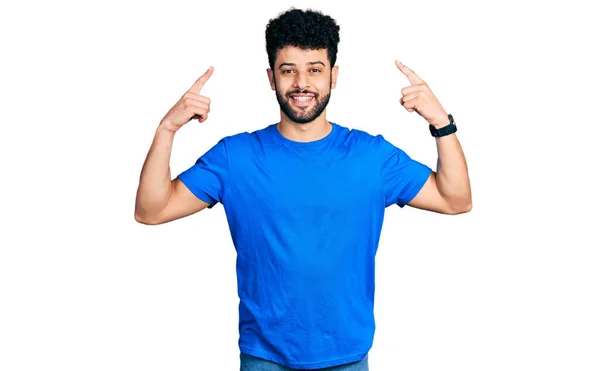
(334,75)
(271,78)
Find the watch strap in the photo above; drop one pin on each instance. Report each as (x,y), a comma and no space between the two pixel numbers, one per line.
(446,130)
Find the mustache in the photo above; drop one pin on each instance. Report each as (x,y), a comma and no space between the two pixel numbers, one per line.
(302,92)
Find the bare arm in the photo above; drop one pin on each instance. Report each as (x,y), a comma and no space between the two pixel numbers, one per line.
(448,190)
(159,198)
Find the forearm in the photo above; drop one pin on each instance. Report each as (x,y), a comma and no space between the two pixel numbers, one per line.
(452,174)
(155,179)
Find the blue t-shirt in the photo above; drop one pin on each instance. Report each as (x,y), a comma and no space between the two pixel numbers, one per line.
(305,219)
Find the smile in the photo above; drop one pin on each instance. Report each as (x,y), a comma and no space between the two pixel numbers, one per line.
(301,100)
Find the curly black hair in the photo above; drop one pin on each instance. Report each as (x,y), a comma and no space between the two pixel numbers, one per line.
(306,29)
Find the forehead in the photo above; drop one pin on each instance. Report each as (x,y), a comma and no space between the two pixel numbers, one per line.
(300,57)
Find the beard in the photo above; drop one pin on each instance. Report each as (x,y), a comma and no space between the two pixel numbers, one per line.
(302,115)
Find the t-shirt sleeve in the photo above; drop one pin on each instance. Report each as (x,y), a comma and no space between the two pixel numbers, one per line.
(207,178)
(402,177)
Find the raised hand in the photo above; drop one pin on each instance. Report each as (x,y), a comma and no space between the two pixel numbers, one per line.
(418,97)
(190,106)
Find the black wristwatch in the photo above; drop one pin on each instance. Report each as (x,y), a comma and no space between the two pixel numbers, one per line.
(446,130)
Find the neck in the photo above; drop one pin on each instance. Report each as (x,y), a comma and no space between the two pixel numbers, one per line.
(309,132)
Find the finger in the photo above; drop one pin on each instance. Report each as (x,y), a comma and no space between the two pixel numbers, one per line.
(412,77)
(193,97)
(202,116)
(199,84)
(410,105)
(198,108)
(410,96)
(411,89)
(199,118)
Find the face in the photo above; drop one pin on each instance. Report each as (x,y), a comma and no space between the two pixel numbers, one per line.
(302,81)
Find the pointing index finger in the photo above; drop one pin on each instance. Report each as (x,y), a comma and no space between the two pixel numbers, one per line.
(199,84)
(412,77)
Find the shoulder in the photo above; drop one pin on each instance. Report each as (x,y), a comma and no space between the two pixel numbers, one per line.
(242,143)
(359,137)
(246,136)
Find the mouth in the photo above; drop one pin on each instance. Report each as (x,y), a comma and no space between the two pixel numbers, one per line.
(302,100)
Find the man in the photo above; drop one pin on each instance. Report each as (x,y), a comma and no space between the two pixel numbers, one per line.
(305,201)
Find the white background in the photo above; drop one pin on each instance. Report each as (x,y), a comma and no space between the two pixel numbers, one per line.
(512,285)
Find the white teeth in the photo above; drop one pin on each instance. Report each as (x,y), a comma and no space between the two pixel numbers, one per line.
(302,98)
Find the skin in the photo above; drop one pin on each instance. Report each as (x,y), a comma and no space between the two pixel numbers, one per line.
(161,199)
(448,190)
(302,70)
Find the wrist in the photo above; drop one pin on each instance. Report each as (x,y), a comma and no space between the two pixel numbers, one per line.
(440,122)
(163,131)
(444,129)
(166,127)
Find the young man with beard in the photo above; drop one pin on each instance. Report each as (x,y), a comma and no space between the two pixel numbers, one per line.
(305,201)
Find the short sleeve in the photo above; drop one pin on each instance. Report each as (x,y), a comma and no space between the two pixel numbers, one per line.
(206,179)
(402,177)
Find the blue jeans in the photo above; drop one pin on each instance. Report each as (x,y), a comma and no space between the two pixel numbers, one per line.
(251,363)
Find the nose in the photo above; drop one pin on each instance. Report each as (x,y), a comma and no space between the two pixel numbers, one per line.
(301,81)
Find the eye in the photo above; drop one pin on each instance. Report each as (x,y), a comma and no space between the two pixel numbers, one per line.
(315,70)
(287,71)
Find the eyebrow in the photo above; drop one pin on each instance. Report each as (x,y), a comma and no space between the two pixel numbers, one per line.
(309,63)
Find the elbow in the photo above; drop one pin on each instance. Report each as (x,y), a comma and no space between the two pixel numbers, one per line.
(461,207)
(140,218)
(466,208)
(146,221)
(143,218)
(458,204)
